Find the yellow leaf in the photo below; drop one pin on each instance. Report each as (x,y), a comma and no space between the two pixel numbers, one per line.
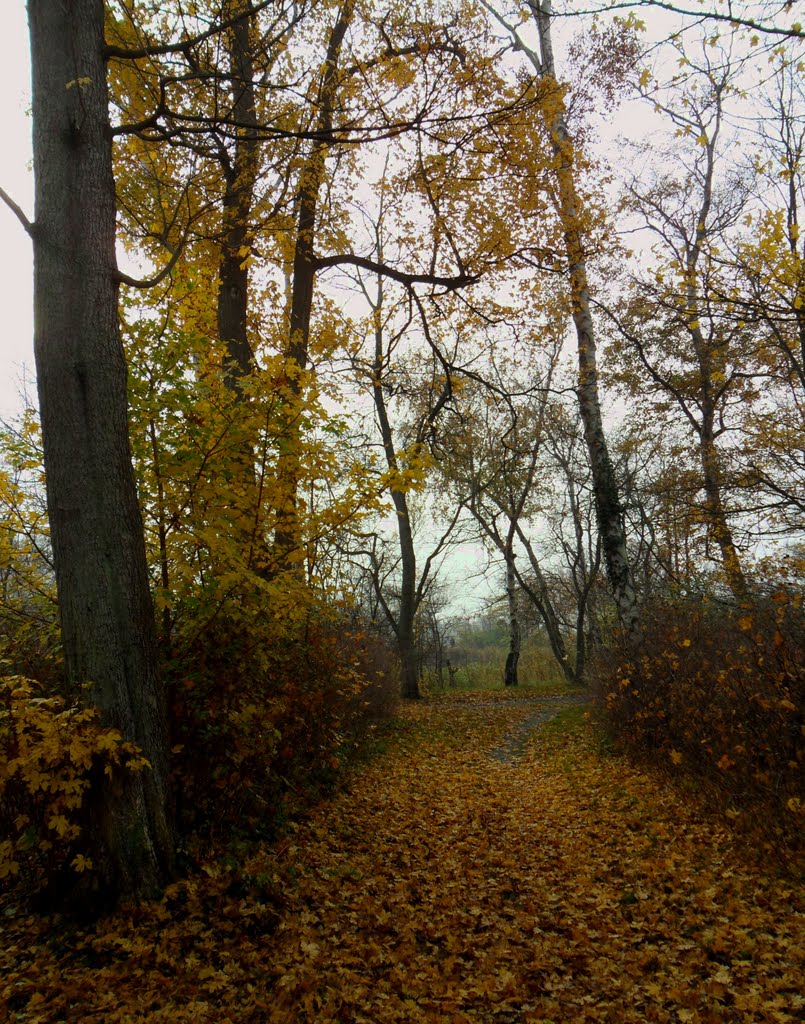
(676,757)
(59,824)
(108,740)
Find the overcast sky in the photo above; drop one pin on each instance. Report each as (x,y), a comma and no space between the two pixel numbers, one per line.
(15,247)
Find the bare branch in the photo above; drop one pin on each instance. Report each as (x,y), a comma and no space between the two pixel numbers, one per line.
(152,282)
(18,212)
(448,283)
(795,31)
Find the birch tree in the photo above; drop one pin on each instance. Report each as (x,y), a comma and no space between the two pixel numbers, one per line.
(571,217)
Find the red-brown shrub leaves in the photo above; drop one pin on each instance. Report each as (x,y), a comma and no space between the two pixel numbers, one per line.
(717,692)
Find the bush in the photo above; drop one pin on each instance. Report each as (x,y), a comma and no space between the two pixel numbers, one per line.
(51,754)
(257,733)
(716,692)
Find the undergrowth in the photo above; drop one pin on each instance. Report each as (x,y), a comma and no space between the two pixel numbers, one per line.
(715,695)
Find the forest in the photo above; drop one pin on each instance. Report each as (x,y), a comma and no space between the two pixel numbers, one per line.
(402,559)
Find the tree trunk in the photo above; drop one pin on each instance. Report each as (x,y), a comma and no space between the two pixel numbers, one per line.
(241,170)
(240,177)
(541,599)
(717,522)
(609,511)
(513,656)
(288,535)
(107,618)
(404,626)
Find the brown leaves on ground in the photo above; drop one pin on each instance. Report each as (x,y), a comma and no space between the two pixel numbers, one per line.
(447,885)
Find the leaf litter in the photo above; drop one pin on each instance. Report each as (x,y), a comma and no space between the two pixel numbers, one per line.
(447,884)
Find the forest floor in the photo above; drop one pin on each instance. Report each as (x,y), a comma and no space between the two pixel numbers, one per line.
(492,865)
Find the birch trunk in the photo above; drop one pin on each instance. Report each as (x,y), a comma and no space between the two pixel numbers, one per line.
(609,510)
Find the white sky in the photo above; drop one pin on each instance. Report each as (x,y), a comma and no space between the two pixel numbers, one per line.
(16,285)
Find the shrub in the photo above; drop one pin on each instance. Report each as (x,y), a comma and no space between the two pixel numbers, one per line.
(29,631)
(716,692)
(51,753)
(265,729)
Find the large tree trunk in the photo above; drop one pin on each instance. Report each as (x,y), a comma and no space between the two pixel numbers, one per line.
(609,511)
(96,531)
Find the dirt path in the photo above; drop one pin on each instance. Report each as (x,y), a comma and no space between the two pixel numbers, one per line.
(547,708)
(484,869)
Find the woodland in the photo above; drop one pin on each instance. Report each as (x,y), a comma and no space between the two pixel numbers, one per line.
(339,308)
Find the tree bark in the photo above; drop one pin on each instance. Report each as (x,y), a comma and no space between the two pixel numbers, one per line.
(406,616)
(717,520)
(107,617)
(240,176)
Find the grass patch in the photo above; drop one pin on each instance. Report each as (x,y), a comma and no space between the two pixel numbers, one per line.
(573,721)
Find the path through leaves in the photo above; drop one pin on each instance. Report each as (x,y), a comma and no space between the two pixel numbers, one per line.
(488,868)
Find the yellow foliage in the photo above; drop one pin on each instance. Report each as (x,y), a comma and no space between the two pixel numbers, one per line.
(47,750)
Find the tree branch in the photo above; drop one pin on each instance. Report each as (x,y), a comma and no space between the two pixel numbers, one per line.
(702,14)
(18,212)
(449,284)
(152,282)
(186,45)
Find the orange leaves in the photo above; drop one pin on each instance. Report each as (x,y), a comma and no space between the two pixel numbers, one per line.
(447,886)
(718,689)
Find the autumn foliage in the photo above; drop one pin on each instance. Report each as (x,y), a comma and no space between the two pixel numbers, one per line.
(52,754)
(460,878)
(245,756)
(715,694)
